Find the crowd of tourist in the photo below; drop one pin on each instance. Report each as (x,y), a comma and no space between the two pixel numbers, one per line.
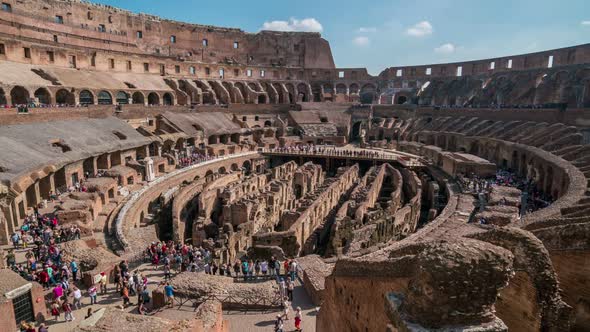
(186,160)
(328,150)
(533,198)
(503,106)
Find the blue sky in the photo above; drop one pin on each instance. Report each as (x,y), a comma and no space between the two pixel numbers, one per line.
(382,33)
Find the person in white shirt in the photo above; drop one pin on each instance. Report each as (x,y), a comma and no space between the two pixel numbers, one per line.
(77,298)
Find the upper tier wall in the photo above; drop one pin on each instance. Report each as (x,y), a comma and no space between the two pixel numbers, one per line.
(109,28)
(573,55)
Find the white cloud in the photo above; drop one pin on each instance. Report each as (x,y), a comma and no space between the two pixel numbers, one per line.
(420,29)
(367,30)
(447,48)
(305,25)
(361,41)
(585,23)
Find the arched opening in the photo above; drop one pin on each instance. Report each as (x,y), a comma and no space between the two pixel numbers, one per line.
(222,170)
(2,97)
(168,99)
(234,167)
(316,91)
(242,88)
(341,89)
(153,99)
(105,98)
(3,100)
(213,139)
(302,95)
(262,99)
(401,100)
(122,98)
(19,95)
(86,97)
(356,130)
(138,98)
(328,88)
(267,123)
(353,89)
(65,97)
(368,94)
(247,167)
(43,96)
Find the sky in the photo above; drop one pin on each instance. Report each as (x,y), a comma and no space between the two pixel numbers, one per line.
(378,34)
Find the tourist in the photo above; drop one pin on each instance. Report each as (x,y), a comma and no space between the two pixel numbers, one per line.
(43,328)
(92,293)
(290,287)
(257,267)
(58,292)
(74,268)
(245,269)
(55,310)
(264,267)
(279,324)
(15,239)
(286,306)
(293,270)
(77,293)
(237,268)
(169,293)
(298,317)
(103,283)
(282,288)
(251,269)
(125,295)
(67,308)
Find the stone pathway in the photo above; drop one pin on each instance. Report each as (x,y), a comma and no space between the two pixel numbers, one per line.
(257,321)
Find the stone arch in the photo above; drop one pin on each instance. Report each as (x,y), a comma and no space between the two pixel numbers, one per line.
(283,98)
(65,97)
(168,99)
(235,167)
(19,95)
(86,97)
(401,98)
(3,100)
(353,88)
(43,95)
(105,98)
(232,95)
(138,98)
(222,170)
(302,94)
(247,166)
(153,99)
(291,91)
(368,93)
(267,123)
(273,96)
(242,88)
(122,98)
(341,89)
(328,88)
(316,91)
(220,91)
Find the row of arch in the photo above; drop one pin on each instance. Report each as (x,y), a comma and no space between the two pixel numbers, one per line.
(20,95)
(367,93)
(239,92)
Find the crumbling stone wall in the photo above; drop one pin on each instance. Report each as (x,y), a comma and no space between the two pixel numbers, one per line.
(310,213)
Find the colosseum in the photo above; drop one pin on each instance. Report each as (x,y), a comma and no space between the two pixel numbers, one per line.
(158,175)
